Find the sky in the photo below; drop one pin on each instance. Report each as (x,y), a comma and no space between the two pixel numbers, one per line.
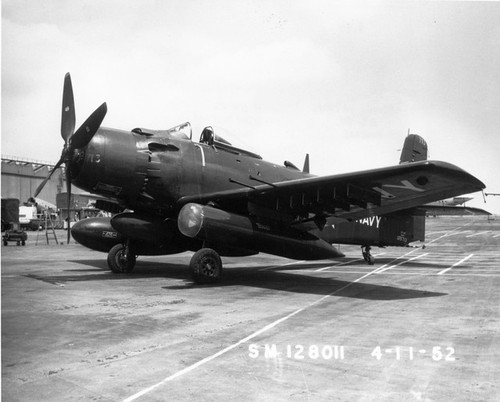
(341,80)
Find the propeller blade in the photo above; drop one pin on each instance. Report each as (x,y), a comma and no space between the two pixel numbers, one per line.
(87,130)
(68,110)
(44,182)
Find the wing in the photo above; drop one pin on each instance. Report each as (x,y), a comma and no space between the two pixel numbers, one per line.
(351,195)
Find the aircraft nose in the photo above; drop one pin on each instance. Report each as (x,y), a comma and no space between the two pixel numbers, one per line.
(111,165)
(87,164)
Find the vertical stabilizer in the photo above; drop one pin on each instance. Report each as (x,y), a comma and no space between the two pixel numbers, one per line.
(414,149)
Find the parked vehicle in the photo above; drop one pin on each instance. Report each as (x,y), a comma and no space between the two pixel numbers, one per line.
(10,212)
(15,235)
(28,218)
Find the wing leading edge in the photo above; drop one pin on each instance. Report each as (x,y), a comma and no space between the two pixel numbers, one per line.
(352,195)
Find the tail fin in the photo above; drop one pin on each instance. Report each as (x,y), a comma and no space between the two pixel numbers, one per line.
(414,149)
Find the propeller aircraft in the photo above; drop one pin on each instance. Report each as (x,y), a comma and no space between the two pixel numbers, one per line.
(172,194)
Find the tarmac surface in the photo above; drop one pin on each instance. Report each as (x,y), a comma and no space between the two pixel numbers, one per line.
(419,325)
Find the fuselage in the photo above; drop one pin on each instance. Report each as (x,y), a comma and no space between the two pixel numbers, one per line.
(148,172)
(151,172)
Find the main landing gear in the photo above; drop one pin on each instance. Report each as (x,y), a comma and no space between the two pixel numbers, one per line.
(365,250)
(121,260)
(206,266)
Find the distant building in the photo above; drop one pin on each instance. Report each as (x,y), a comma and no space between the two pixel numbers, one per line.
(21,177)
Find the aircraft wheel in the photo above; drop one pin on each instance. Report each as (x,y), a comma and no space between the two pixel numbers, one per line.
(206,266)
(119,262)
(369,258)
(367,255)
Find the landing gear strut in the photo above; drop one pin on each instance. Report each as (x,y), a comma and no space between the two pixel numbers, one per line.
(121,260)
(206,266)
(365,250)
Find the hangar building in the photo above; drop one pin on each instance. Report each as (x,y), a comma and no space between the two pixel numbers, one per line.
(21,177)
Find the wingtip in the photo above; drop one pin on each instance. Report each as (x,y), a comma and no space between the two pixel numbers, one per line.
(474,182)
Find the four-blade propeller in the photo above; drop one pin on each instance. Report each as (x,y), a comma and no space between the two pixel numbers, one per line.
(73,140)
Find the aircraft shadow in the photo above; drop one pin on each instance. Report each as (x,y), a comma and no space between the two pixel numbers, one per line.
(245,277)
(298,283)
(401,263)
(356,263)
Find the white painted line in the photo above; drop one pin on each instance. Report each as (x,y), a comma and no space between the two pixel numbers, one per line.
(433,232)
(401,263)
(450,233)
(344,263)
(338,265)
(455,233)
(414,273)
(473,275)
(496,235)
(382,267)
(346,272)
(202,154)
(447,232)
(454,265)
(240,342)
(282,265)
(479,233)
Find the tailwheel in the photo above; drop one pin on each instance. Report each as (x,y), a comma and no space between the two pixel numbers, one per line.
(206,266)
(365,250)
(120,259)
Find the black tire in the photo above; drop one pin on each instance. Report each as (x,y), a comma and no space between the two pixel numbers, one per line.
(117,261)
(5,243)
(206,266)
(23,243)
(367,256)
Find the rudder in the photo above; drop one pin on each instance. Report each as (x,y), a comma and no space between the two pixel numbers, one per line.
(414,149)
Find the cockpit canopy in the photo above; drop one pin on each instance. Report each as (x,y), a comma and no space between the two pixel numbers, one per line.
(208,137)
(182,131)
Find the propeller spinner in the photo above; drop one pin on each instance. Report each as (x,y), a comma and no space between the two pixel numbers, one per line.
(73,140)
